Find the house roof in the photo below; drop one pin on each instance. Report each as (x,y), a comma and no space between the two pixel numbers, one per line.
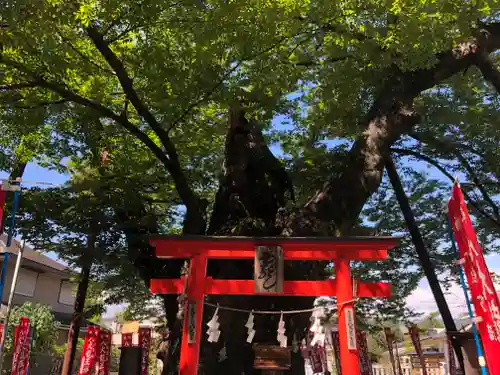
(32,255)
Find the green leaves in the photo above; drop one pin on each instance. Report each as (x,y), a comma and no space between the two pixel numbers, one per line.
(41,320)
(320,65)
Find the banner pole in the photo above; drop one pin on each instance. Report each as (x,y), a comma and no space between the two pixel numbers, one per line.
(479,348)
(15,204)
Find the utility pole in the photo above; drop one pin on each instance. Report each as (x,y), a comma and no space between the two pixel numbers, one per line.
(81,294)
(424,257)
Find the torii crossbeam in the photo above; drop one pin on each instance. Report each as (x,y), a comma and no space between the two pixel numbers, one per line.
(198,249)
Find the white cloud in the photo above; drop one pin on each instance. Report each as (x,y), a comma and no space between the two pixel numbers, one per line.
(422,300)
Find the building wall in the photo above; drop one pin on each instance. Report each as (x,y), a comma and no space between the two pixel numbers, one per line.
(45,288)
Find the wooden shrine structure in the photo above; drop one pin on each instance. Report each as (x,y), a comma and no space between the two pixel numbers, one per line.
(269,254)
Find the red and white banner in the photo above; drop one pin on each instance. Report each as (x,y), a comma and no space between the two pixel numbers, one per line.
(482,290)
(127,339)
(90,352)
(415,339)
(25,354)
(336,350)
(104,352)
(20,356)
(365,363)
(145,344)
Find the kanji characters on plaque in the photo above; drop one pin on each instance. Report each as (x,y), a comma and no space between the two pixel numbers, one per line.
(145,343)
(482,290)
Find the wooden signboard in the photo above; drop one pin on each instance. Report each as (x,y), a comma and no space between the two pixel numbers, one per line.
(268,269)
(272,357)
(350,328)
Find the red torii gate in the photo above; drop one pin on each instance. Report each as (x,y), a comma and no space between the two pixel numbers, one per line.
(339,250)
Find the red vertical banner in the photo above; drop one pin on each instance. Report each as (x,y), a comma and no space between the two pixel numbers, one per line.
(25,353)
(415,339)
(90,352)
(365,363)
(127,340)
(145,344)
(21,347)
(336,350)
(104,352)
(482,290)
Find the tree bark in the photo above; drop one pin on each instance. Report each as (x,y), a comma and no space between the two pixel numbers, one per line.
(423,256)
(254,187)
(391,116)
(81,294)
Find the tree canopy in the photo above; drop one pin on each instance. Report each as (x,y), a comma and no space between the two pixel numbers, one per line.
(249,118)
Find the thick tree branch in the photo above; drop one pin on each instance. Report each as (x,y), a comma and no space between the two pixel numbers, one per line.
(488,70)
(427,159)
(443,170)
(391,116)
(82,55)
(428,137)
(187,195)
(450,147)
(128,87)
(17,86)
(174,168)
(329,61)
(40,104)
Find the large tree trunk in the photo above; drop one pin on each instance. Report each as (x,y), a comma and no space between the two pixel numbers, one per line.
(254,187)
